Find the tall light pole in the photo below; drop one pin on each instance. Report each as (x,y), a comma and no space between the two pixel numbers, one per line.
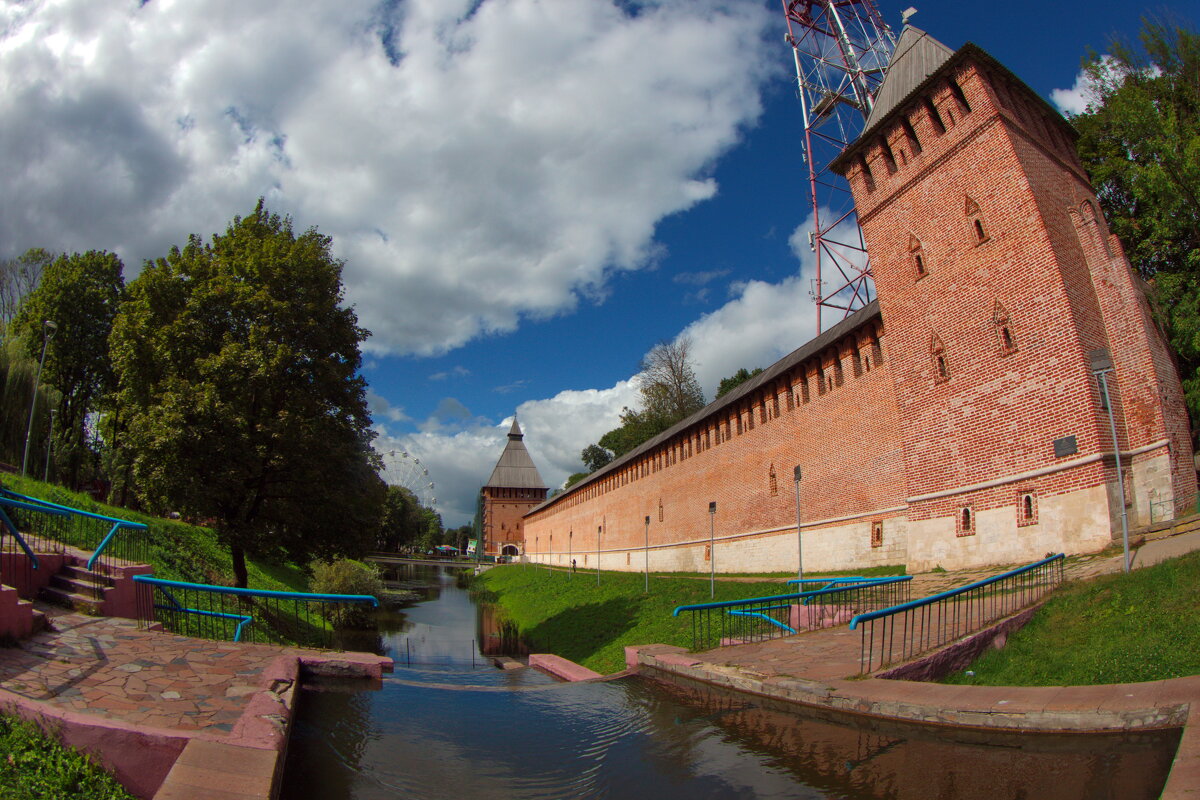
(598,529)
(49,447)
(799,538)
(1101,366)
(551,558)
(647,554)
(48,328)
(571,552)
(712,551)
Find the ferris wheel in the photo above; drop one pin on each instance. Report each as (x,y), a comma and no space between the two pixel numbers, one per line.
(401,468)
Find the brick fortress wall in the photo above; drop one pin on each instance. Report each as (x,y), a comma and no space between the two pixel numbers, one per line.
(926,430)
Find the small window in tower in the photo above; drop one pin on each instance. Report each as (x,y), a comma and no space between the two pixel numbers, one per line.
(1026,509)
(959,97)
(911,134)
(1004,330)
(941,368)
(939,127)
(772,483)
(966,522)
(877,533)
(889,159)
(975,216)
(916,252)
(660,511)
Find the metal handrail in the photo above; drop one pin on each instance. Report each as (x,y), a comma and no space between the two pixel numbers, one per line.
(12,528)
(829,581)
(319,598)
(933,598)
(797,595)
(50,507)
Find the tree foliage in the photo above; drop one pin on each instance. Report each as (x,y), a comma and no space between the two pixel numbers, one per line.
(18,278)
(237,369)
(81,293)
(669,393)
(407,524)
(735,380)
(1140,142)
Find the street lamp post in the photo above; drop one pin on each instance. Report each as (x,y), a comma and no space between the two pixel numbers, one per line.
(598,529)
(1101,369)
(48,328)
(551,554)
(647,554)
(49,447)
(799,538)
(571,552)
(712,551)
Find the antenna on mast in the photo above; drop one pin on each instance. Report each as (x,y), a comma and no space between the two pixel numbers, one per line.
(841,49)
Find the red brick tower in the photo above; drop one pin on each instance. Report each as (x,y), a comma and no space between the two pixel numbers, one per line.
(513,489)
(1002,292)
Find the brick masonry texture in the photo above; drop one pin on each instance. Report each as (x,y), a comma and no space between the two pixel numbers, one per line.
(936,413)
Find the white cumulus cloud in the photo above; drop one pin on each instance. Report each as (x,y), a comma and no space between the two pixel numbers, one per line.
(475,162)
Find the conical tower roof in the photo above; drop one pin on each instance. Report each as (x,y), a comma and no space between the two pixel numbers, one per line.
(515,469)
(917,56)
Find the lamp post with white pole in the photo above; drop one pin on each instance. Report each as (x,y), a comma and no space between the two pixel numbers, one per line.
(712,551)
(1102,367)
(48,329)
(598,529)
(799,538)
(647,554)
(49,447)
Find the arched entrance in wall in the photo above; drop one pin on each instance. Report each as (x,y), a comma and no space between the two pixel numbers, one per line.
(510,550)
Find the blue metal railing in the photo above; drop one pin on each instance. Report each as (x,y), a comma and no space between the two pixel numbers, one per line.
(256,615)
(930,622)
(53,526)
(757,618)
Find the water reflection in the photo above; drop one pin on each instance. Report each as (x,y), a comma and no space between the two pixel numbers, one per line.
(452,730)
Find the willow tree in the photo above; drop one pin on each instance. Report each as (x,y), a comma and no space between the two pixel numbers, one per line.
(237,369)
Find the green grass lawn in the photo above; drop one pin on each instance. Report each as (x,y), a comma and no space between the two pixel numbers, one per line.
(570,616)
(34,766)
(179,551)
(1143,626)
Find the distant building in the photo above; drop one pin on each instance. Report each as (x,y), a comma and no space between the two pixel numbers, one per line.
(958,419)
(514,488)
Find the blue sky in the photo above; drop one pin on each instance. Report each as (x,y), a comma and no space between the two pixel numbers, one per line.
(528,194)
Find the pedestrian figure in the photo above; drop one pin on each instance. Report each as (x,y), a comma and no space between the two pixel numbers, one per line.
(572,565)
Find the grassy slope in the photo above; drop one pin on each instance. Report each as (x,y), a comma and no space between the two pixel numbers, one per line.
(570,616)
(1142,626)
(34,766)
(181,551)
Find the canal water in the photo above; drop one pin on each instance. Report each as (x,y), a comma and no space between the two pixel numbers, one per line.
(448,724)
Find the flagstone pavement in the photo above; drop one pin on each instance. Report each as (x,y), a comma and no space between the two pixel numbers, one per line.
(106,666)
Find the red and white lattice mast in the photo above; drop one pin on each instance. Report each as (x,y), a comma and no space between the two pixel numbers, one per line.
(841,51)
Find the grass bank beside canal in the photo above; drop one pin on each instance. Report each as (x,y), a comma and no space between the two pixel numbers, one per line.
(569,615)
(34,766)
(1144,626)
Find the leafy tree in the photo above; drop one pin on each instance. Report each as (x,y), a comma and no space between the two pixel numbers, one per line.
(735,380)
(1140,142)
(237,369)
(595,457)
(18,278)
(402,520)
(669,388)
(574,478)
(669,392)
(81,294)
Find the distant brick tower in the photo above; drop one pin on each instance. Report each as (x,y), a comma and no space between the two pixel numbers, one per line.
(1003,293)
(513,489)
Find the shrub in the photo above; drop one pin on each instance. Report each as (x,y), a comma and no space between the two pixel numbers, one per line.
(346,576)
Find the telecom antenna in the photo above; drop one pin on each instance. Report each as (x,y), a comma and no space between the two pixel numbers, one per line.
(841,48)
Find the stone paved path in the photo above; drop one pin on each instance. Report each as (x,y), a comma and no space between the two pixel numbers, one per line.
(106,666)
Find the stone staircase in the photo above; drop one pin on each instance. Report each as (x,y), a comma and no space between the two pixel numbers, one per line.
(18,618)
(1164,529)
(78,588)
